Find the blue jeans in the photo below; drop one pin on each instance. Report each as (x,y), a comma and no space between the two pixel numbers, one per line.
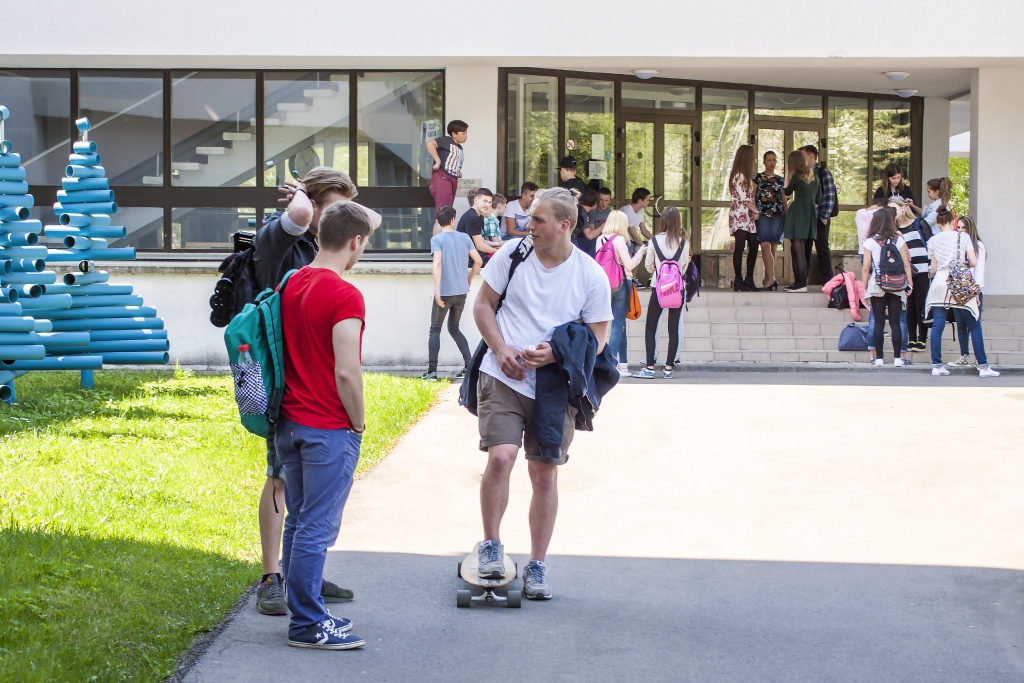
(620,306)
(961,326)
(964,316)
(903,330)
(318,465)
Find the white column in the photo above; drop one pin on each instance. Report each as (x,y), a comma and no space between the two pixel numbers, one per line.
(935,141)
(997,166)
(471,95)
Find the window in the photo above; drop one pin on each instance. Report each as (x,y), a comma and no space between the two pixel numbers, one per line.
(306,124)
(208,228)
(213,128)
(800,105)
(714,228)
(532,131)
(891,139)
(127,114)
(397,112)
(403,229)
(655,96)
(145,226)
(590,122)
(724,127)
(843,231)
(848,147)
(40,121)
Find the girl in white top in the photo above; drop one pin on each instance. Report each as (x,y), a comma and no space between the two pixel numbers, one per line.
(616,229)
(966,226)
(939,191)
(885,304)
(947,248)
(671,239)
(863,220)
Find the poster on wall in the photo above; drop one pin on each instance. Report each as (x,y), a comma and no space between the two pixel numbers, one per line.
(597,169)
(468,185)
(597,146)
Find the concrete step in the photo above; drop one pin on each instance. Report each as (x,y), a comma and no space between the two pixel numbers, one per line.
(292,106)
(212,151)
(238,137)
(319,93)
(187,166)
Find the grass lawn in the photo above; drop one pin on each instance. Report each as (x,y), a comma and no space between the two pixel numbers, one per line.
(128,516)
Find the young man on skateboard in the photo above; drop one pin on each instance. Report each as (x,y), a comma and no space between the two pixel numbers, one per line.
(322,418)
(556,284)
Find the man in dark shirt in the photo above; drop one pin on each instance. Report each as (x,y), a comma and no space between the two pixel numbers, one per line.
(448,155)
(472,222)
(567,176)
(587,230)
(287,241)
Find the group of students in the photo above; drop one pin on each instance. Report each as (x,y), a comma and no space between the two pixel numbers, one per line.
(942,260)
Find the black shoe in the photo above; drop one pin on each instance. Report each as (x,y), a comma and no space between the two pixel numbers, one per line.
(741,285)
(749,282)
(429,376)
(773,287)
(735,285)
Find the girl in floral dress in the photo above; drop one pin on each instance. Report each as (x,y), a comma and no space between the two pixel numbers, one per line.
(742,214)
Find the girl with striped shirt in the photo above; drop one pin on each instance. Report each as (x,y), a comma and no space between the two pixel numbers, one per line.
(910,228)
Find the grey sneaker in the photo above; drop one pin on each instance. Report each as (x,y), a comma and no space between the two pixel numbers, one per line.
(535,581)
(961,362)
(491,559)
(332,592)
(270,596)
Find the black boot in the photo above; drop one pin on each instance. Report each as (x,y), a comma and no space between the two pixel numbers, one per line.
(740,286)
(749,282)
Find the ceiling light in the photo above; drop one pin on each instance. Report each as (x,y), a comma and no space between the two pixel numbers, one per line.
(679,92)
(895,75)
(644,74)
(600,85)
(903,92)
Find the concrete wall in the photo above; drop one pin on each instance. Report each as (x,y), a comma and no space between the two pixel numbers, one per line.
(934,141)
(471,94)
(997,166)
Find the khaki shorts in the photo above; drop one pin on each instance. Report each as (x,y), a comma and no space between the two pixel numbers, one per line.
(506,417)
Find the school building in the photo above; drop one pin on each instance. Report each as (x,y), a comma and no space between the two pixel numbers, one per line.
(202,109)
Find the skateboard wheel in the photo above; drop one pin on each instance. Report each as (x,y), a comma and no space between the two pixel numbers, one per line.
(515,599)
(462,598)
(459,574)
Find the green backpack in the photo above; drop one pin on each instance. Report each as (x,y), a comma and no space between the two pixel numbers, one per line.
(255,345)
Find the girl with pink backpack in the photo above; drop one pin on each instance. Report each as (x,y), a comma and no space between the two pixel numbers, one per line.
(613,257)
(667,257)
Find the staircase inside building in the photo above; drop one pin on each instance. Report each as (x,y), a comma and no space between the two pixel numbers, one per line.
(778,327)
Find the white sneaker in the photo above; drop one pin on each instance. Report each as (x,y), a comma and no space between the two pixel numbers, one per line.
(939,372)
(987,372)
(899,363)
(623,370)
(878,362)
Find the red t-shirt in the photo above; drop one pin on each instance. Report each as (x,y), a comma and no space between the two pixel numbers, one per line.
(314,301)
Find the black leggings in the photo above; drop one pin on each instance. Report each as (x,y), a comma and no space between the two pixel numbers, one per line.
(653,316)
(744,238)
(797,249)
(916,329)
(878,306)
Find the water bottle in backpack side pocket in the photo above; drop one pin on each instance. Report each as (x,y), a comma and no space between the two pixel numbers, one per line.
(250,391)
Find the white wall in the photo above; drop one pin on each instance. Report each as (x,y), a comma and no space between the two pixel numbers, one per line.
(934,140)
(997,166)
(471,94)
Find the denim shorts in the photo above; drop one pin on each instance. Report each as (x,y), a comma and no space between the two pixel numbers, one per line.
(769,229)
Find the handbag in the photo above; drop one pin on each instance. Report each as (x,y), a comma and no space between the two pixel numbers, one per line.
(960,284)
(635,310)
(854,337)
(467,392)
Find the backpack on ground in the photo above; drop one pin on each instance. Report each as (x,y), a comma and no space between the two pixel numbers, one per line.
(259,379)
(237,285)
(609,263)
(960,284)
(890,273)
(668,280)
(854,337)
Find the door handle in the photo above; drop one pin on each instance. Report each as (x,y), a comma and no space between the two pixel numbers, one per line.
(696,160)
(657,210)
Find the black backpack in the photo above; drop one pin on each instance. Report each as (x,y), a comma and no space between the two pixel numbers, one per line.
(237,285)
(890,273)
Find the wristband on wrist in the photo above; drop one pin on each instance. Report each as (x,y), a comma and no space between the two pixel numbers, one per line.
(358,431)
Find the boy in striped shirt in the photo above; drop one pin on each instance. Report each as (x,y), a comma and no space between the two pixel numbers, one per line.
(916,330)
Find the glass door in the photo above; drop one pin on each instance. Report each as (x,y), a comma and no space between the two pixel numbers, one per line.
(783,138)
(659,156)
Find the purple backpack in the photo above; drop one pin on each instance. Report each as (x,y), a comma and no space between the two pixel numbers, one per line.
(668,281)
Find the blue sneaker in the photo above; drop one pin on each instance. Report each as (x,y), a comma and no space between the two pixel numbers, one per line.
(340,624)
(644,373)
(324,636)
(535,581)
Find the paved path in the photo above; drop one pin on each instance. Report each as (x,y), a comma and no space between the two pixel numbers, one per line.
(755,528)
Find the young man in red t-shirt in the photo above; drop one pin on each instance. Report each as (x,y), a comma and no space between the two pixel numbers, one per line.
(322,420)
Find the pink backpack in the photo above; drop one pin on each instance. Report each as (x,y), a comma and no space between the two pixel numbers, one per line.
(668,281)
(605,258)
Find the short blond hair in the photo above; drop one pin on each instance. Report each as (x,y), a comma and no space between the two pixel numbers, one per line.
(616,224)
(323,179)
(563,204)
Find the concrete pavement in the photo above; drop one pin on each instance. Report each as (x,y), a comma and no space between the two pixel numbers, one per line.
(753,528)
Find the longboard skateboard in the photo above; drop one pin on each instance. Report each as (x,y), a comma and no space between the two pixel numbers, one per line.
(469,572)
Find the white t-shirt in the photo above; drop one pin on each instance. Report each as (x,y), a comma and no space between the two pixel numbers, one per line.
(633,218)
(872,245)
(516,211)
(540,299)
(863,220)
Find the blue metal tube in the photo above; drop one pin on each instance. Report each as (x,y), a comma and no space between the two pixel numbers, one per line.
(84,159)
(81,220)
(7,309)
(136,358)
(10,160)
(78,184)
(47,277)
(9,227)
(84,172)
(13,187)
(86,278)
(24,338)
(59,232)
(57,302)
(112,254)
(6,377)
(117,232)
(19,239)
(90,311)
(58,363)
(8,294)
(81,243)
(82,290)
(19,324)
(108,208)
(84,147)
(105,300)
(23,352)
(25,265)
(63,338)
(6,146)
(14,213)
(82,196)
(91,324)
(43,326)
(31,291)
(114,335)
(117,346)
(12,174)
(24,252)
(17,200)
